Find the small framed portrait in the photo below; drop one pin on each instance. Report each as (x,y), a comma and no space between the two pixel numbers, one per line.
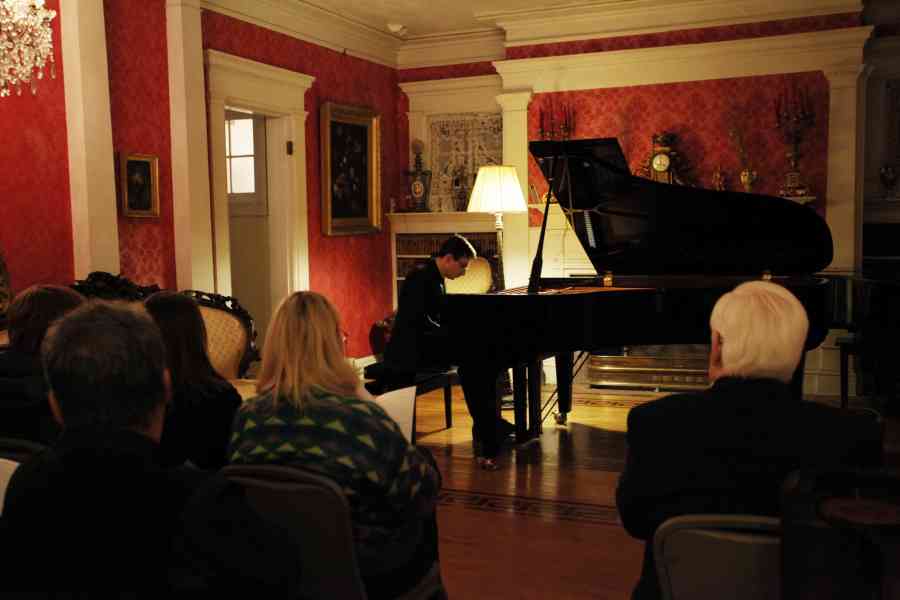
(139,185)
(351,170)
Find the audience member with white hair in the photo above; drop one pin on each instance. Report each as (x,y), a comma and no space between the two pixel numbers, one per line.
(728,449)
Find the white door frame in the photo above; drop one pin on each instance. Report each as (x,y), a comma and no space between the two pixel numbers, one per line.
(279,95)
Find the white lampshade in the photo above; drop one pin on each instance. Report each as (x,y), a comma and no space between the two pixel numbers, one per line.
(497,191)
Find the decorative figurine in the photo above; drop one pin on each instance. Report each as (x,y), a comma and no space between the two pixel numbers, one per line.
(419,179)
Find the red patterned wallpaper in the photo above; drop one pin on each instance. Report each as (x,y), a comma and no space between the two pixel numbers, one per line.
(688,36)
(353,271)
(35,211)
(139,103)
(700,114)
(446,72)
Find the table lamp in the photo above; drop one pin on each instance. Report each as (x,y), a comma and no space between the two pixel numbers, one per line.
(497,191)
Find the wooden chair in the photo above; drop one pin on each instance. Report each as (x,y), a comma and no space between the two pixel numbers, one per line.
(230,333)
(710,557)
(315,512)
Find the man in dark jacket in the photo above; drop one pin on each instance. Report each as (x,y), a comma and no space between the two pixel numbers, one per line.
(98,511)
(728,449)
(418,343)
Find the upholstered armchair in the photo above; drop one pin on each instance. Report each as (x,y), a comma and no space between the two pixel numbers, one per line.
(230,333)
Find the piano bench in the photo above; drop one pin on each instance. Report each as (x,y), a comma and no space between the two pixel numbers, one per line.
(426,381)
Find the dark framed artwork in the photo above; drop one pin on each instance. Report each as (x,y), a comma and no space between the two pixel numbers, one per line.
(139,185)
(351,170)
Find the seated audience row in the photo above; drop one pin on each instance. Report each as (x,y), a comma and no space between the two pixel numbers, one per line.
(140,407)
(98,510)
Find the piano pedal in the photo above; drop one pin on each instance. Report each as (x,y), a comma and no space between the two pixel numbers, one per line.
(561,418)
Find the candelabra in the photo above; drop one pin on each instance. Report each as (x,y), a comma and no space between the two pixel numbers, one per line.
(793,116)
(557,123)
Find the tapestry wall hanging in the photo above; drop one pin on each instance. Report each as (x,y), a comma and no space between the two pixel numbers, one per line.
(459,144)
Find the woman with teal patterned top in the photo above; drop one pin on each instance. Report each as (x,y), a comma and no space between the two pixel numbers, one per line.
(312,412)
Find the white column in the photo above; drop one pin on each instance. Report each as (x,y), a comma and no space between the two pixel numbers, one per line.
(190,162)
(843,210)
(516,257)
(95,232)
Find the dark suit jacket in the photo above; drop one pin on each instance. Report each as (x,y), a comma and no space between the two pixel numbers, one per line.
(416,338)
(101,514)
(24,410)
(198,424)
(727,450)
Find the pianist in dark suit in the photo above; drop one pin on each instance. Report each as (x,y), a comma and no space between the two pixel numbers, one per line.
(728,449)
(418,343)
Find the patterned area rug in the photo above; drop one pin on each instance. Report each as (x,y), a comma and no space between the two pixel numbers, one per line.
(617,402)
(532,507)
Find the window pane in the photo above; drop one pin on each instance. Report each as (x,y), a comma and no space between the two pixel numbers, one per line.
(228,175)
(227,140)
(242,174)
(241,137)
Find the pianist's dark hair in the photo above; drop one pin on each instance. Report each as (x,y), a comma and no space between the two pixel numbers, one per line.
(105,363)
(457,246)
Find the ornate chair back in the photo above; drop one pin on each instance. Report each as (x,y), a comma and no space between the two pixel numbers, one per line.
(230,333)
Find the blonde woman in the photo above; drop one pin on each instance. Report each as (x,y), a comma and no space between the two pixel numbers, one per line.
(311,412)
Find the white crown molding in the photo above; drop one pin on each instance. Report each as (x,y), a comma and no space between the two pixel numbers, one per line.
(823,50)
(304,21)
(451,49)
(238,80)
(463,94)
(612,18)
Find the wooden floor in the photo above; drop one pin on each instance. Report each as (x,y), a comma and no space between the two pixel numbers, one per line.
(545,525)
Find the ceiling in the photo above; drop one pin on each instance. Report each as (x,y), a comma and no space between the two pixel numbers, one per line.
(435,17)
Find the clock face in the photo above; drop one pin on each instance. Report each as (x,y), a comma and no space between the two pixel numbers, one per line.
(660,162)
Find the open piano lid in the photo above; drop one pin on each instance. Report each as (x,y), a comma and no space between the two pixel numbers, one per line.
(631,225)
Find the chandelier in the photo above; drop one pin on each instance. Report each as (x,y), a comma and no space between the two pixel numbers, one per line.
(26,44)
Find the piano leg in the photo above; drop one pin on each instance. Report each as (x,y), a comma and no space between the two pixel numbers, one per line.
(564,363)
(534,397)
(797,379)
(520,404)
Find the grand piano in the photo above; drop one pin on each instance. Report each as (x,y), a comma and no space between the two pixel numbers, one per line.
(663,254)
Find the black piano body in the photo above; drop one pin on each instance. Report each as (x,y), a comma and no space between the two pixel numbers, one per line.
(663,254)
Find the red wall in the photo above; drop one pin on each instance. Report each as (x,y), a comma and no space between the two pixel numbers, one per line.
(701,114)
(139,103)
(354,272)
(35,211)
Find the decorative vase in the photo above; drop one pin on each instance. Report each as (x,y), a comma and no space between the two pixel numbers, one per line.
(748,178)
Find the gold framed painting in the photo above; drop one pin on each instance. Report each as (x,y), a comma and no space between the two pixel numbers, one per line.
(139,185)
(351,169)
